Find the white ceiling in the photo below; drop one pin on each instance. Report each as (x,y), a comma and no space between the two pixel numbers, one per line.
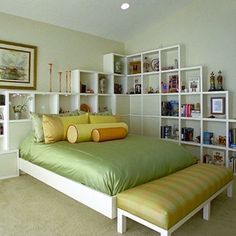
(98,17)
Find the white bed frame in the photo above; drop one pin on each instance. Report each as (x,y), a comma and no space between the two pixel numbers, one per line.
(98,201)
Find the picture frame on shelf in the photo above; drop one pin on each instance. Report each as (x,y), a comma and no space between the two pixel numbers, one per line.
(18,65)
(218,105)
(218,157)
(194,85)
(173,83)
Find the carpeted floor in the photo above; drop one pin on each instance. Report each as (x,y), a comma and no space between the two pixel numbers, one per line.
(31,208)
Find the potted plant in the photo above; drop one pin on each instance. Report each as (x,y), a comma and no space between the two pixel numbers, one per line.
(18,109)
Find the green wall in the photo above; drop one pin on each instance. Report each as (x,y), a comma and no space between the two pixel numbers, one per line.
(66,49)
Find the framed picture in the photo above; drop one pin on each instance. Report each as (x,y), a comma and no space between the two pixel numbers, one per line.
(218,158)
(194,85)
(173,84)
(18,65)
(218,105)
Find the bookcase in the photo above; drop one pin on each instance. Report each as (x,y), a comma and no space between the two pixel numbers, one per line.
(172,102)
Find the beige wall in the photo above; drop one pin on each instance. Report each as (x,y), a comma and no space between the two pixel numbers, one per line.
(66,49)
(206,30)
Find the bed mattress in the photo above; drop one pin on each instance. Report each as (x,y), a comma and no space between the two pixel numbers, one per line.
(112,166)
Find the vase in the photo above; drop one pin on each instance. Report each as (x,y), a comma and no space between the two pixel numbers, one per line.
(17,115)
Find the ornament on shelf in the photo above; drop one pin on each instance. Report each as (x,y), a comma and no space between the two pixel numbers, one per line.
(118,67)
(155,64)
(102,84)
(146,65)
(50,74)
(176,64)
(212,82)
(219,78)
(60,73)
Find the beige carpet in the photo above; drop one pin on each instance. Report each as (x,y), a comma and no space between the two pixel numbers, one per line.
(31,208)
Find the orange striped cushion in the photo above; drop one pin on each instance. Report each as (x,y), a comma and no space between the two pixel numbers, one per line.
(105,134)
(167,200)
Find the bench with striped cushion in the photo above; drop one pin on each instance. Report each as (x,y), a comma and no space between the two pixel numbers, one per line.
(166,203)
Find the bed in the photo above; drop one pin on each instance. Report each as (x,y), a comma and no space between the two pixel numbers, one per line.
(93,173)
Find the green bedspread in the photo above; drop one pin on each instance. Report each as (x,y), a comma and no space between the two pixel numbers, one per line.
(109,167)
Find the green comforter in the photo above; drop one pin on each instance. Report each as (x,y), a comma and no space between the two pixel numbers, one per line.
(109,167)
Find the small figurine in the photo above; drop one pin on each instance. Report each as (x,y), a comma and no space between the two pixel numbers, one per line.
(146,65)
(219,78)
(212,82)
(102,85)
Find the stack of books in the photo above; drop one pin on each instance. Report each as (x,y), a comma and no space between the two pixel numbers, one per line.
(232,138)
(187,134)
(186,110)
(166,131)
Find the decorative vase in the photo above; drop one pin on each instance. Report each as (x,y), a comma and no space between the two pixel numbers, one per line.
(17,115)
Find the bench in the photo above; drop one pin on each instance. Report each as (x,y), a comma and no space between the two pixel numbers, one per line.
(166,203)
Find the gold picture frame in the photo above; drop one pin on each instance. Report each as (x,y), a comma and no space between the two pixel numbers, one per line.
(18,65)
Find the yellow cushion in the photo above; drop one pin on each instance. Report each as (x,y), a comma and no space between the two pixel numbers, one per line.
(94,119)
(68,120)
(55,128)
(167,200)
(105,134)
(83,132)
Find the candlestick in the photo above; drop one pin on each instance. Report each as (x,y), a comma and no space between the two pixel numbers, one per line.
(70,81)
(50,73)
(67,81)
(60,73)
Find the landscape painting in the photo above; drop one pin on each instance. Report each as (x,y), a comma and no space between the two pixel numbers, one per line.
(17,65)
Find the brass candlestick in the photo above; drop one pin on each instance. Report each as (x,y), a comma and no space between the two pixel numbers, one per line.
(60,73)
(50,73)
(67,81)
(70,81)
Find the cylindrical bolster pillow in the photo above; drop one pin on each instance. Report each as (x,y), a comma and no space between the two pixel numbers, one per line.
(105,134)
(83,132)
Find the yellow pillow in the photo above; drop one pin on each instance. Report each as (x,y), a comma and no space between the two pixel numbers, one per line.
(55,128)
(83,132)
(69,120)
(105,134)
(95,119)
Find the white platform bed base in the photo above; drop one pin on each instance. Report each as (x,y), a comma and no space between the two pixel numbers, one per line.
(98,201)
(121,215)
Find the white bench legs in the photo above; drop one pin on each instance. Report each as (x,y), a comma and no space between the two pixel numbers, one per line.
(207,211)
(121,223)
